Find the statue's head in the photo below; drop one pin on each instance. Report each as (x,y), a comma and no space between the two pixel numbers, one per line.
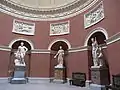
(92,39)
(22,43)
(100,48)
(60,47)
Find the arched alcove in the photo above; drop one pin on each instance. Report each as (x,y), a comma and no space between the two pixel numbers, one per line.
(92,34)
(14,47)
(100,38)
(53,62)
(17,44)
(56,46)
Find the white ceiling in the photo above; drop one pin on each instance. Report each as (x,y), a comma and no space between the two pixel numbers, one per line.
(42,3)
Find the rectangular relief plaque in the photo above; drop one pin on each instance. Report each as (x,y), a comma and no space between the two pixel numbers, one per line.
(23,27)
(94,16)
(59,28)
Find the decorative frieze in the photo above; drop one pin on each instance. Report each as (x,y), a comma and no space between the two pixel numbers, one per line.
(59,28)
(94,16)
(22,27)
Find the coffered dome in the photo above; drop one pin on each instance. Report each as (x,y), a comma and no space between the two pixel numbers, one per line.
(45,9)
(42,3)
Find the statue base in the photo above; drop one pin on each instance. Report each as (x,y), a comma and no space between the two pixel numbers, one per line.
(97,87)
(100,75)
(59,66)
(19,63)
(59,75)
(19,75)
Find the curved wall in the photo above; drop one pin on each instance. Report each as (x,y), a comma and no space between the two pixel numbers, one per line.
(77,60)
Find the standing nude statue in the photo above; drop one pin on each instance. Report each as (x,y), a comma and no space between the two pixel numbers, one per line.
(20,54)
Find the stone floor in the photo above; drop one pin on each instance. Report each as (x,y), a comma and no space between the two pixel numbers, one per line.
(40,86)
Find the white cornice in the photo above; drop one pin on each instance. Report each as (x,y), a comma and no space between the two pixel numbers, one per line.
(48,17)
(113,38)
(43,8)
(4,48)
(43,51)
(78,49)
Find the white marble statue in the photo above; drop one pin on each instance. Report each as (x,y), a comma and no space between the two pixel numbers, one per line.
(100,55)
(96,53)
(60,55)
(20,54)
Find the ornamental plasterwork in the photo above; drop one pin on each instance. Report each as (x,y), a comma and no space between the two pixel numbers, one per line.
(22,27)
(94,16)
(59,28)
(46,14)
(41,3)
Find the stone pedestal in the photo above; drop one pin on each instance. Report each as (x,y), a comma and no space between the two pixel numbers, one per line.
(99,77)
(19,75)
(59,75)
(97,87)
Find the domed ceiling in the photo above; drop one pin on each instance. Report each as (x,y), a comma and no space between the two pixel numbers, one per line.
(42,3)
(45,9)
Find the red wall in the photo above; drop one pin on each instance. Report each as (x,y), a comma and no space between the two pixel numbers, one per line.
(114,58)
(77,61)
(4,63)
(110,23)
(40,65)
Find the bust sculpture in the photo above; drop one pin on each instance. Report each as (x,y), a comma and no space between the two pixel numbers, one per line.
(20,54)
(96,53)
(60,55)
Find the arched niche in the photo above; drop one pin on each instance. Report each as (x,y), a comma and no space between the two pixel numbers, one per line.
(14,47)
(17,44)
(100,38)
(53,62)
(56,46)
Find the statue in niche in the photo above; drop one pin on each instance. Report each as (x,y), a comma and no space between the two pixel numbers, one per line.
(100,55)
(96,53)
(20,54)
(60,55)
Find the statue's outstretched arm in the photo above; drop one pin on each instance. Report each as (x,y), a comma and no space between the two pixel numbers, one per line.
(56,54)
